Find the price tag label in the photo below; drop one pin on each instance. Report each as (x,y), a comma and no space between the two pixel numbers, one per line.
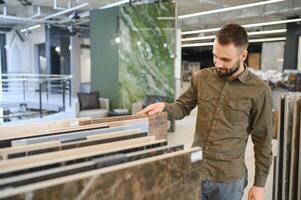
(196,156)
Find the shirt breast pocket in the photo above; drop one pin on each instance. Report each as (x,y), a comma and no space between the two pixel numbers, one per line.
(238,112)
(206,103)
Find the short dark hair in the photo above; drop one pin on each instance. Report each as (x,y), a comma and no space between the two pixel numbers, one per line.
(233,33)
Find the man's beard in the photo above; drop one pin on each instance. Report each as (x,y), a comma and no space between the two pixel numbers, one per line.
(229,72)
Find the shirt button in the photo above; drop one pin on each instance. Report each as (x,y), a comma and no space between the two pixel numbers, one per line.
(227,83)
(214,122)
(218,109)
(211,134)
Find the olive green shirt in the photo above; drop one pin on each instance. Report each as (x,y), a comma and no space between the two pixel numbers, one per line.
(228,112)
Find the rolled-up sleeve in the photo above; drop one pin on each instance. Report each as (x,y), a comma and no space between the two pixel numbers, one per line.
(262,135)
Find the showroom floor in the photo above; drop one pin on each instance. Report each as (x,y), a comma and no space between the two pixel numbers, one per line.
(184,134)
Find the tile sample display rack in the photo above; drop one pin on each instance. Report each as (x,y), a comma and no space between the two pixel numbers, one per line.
(287,179)
(125,157)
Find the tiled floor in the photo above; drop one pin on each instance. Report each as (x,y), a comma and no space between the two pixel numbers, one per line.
(184,134)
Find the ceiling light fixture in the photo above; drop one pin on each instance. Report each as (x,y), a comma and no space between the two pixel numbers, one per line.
(250,41)
(118,3)
(249,33)
(30,28)
(229,8)
(245,25)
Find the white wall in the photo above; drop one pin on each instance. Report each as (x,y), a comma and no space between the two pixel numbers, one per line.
(21,55)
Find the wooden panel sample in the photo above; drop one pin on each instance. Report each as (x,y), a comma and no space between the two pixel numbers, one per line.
(174,177)
(280,135)
(287,140)
(299,165)
(63,156)
(275,123)
(30,133)
(39,126)
(287,165)
(45,147)
(157,123)
(96,163)
(294,151)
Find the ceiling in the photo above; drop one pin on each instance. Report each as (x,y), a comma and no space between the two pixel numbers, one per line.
(18,15)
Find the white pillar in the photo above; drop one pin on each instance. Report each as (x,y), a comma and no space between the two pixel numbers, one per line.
(75,64)
(178,63)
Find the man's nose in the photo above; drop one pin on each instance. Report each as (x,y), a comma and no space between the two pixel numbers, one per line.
(218,63)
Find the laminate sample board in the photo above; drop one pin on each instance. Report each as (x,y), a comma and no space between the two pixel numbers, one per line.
(95,163)
(157,123)
(287,142)
(280,135)
(287,172)
(293,186)
(299,167)
(169,176)
(40,126)
(73,154)
(45,147)
(19,134)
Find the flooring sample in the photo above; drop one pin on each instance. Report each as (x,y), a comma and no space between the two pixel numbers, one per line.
(173,176)
(11,165)
(39,126)
(287,142)
(157,123)
(299,168)
(280,135)
(294,150)
(287,174)
(78,135)
(275,123)
(72,163)
(17,180)
(46,147)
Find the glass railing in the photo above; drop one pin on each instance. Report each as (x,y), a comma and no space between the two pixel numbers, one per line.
(39,89)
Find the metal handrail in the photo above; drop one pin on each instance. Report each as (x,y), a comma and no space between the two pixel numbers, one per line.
(39,75)
(38,83)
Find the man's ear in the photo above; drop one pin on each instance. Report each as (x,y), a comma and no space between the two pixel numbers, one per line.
(244,55)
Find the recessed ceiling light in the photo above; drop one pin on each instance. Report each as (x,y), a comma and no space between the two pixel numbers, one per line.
(250,41)
(229,8)
(249,33)
(245,25)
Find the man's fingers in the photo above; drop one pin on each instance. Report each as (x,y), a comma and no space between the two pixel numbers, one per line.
(250,196)
(152,109)
(145,110)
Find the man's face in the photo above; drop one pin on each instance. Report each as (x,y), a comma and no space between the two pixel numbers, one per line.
(227,58)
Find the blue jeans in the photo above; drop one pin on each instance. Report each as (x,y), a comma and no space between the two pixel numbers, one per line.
(211,190)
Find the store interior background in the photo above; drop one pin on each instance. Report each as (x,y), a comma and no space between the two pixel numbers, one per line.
(52,49)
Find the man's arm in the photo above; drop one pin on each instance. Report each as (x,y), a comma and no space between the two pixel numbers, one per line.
(262,139)
(181,108)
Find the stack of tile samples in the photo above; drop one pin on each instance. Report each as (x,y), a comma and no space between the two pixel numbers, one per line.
(111,158)
(287,174)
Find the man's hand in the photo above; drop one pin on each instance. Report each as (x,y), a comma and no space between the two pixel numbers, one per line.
(153,109)
(256,193)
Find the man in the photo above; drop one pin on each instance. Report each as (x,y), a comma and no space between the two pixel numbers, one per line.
(232,103)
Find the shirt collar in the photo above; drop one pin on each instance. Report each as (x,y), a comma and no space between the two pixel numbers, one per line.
(243,77)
